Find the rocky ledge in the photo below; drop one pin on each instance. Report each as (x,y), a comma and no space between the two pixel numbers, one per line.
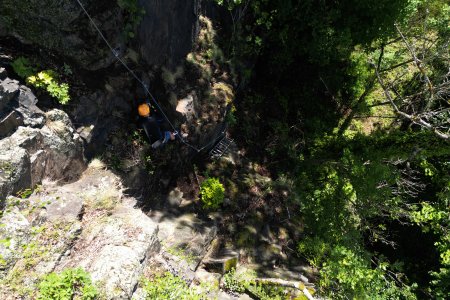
(34,145)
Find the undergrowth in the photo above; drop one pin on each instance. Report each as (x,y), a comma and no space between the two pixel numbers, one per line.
(169,287)
(70,284)
(47,80)
(212,193)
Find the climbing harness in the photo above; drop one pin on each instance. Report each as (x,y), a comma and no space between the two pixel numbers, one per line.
(116,53)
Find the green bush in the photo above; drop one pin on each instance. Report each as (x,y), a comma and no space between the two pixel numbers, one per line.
(212,193)
(22,67)
(70,284)
(46,80)
(233,282)
(240,282)
(169,287)
(134,15)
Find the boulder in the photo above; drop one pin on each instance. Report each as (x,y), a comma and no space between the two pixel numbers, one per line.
(15,171)
(17,107)
(3,73)
(10,123)
(9,89)
(30,155)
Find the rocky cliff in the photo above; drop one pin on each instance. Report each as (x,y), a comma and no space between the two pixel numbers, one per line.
(34,145)
(165,34)
(131,214)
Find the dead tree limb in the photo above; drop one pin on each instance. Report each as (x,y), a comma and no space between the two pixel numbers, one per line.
(413,118)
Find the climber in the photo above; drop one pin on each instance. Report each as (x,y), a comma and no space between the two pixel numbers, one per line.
(150,120)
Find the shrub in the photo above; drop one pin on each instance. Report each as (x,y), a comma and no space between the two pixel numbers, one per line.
(46,80)
(233,282)
(212,193)
(134,15)
(70,284)
(169,287)
(22,67)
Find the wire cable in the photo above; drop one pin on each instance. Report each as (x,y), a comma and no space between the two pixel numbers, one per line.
(116,55)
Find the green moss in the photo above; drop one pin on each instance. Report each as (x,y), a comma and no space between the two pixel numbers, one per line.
(230,264)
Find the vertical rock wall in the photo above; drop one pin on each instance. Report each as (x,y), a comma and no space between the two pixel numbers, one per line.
(168,30)
(165,34)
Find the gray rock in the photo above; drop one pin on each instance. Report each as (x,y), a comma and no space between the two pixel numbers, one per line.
(223,262)
(17,108)
(114,251)
(203,276)
(15,171)
(10,123)
(26,98)
(3,73)
(15,231)
(186,235)
(139,294)
(9,89)
(175,197)
(165,34)
(38,163)
(30,155)
(225,296)
(64,206)
(70,33)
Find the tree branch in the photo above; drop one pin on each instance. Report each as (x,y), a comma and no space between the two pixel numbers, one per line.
(415,119)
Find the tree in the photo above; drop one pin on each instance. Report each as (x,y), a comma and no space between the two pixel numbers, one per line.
(418,87)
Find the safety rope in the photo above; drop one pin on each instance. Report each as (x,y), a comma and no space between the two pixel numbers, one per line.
(116,55)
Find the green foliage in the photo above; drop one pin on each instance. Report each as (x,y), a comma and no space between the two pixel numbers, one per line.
(233,282)
(70,284)
(169,287)
(47,80)
(212,193)
(134,15)
(22,67)
(347,274)
(350,195)
(266,292)
(239,283)
(231,116)
(433,216)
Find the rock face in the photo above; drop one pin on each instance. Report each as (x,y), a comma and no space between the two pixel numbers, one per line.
(34,145)
(168,30)
(165,35)
(63,28)
(91,224)
(116,238)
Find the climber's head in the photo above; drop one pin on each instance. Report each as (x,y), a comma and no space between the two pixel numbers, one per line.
(144,110)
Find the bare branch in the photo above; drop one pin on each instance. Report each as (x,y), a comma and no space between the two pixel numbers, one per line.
(413,118)
(417,61)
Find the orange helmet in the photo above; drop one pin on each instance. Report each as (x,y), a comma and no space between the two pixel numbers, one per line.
(144,110)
